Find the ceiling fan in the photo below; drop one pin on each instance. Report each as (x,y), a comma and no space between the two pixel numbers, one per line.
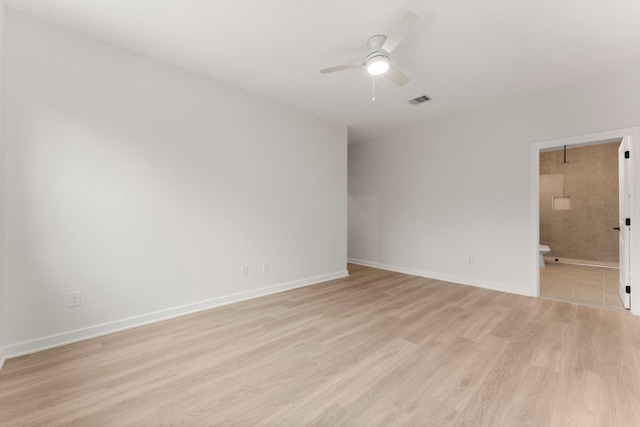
(378,61)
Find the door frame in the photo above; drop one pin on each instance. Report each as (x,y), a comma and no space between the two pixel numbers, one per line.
(634,135)
(624,194)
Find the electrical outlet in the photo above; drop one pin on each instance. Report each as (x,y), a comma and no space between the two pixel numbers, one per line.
(339,256)
(75,299)
(244,271)
(470,261)
(265,267)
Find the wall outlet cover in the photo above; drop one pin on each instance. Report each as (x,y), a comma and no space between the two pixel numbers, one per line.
(74,299)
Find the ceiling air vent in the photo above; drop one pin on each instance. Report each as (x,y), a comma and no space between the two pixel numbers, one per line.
(419,100)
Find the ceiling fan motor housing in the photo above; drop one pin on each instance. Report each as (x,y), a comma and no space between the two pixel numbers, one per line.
(375,44)
(377,54)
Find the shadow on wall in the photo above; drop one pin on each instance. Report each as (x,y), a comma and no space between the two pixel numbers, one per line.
(363,228)
(579,202)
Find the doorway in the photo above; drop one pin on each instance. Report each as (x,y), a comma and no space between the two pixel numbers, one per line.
(578,223)
(626,135)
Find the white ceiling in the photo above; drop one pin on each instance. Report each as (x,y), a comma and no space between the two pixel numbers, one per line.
(464,54)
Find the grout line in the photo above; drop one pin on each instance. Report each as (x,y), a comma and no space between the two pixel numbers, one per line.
(604,290)
(575,285)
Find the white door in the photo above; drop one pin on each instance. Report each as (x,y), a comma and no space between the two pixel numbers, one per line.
(624,200)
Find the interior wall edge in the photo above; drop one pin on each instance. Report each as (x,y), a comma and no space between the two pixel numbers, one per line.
(45,343)
(460,280)
(2,298)
(534,189)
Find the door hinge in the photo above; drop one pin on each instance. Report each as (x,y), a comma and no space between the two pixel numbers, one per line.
(628,289)
(626,154)
(627,221)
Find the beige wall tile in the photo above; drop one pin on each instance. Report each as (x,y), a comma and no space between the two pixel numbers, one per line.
(591,179)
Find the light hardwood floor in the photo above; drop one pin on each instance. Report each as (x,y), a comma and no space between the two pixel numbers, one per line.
(377,348)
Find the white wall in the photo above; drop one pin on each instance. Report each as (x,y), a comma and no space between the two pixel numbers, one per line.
(427,199)
(146,188)
(2,299)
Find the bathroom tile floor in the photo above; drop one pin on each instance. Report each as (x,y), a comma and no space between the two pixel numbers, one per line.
(586,285)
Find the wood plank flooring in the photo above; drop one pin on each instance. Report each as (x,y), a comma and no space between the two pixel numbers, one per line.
(375,349)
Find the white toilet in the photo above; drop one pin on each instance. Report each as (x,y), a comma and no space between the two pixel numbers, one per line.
(544,249)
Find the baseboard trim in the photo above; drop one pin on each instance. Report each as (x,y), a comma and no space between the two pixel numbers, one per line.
(45,343)
(485,284)
(584,262)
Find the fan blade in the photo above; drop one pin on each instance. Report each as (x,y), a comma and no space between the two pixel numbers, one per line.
(400,32)
(342,67)
(397,76)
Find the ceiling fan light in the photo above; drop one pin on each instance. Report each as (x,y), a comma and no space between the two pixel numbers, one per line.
(378,65)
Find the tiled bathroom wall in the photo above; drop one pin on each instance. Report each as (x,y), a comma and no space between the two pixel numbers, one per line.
(586,205)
